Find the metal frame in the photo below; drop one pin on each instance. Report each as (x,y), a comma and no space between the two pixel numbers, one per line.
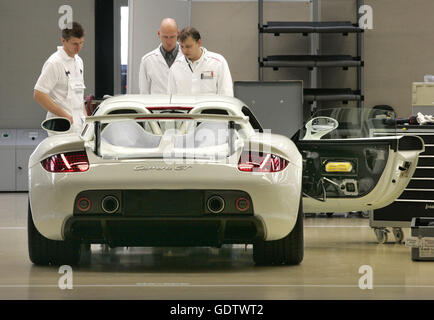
(360,53)
(260,39)
(315,46)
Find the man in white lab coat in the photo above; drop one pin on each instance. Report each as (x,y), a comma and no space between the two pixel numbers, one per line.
(60,87)
(199,71)
(155,65)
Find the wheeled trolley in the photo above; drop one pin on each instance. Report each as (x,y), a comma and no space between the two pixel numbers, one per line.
(417,200)
(382,229)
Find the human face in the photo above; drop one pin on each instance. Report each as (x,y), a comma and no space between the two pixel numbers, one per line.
(73,46)
(168,38)
(191,48)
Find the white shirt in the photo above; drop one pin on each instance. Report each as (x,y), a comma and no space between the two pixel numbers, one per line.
(53,79)
(209,74)
(62,80)
(154,72)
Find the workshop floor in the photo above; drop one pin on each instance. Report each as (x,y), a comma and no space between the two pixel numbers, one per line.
(335,249)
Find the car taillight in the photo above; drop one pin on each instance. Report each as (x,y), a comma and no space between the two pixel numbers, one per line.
(67,162)
(261,162)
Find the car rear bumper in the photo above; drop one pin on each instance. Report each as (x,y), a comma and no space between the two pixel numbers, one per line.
(164,231)
(274,196)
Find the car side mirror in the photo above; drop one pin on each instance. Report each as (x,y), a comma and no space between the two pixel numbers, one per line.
(56,125)
(319,127)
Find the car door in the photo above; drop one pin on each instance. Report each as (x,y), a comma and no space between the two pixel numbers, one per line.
(354,161)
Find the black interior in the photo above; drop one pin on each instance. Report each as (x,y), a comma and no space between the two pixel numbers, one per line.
(368,160)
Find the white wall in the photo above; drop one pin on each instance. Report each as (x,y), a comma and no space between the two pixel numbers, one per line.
(29,34)
(145,18)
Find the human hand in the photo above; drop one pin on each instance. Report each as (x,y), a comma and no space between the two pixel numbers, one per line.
(70,118)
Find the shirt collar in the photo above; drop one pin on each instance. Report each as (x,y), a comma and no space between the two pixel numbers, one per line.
(64,55)
(202,57)
(173,53)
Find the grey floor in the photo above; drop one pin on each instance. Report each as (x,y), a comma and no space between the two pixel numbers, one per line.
(335,249)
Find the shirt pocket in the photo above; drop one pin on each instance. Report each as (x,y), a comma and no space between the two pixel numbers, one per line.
(76,85)
(208,84)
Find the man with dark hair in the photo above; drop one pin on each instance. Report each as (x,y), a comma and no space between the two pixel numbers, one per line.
(199,70)
(155,65)
(60,87)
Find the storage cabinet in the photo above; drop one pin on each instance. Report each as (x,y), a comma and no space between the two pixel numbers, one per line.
(8,139)
(417,200)
(16,146)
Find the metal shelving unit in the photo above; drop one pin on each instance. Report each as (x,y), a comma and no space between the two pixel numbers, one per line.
(314,61)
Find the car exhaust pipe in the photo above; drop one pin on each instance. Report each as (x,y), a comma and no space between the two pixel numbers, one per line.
(215,204)
(110,204)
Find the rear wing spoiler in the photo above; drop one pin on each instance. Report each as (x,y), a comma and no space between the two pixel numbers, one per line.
(92,128)
(170,116)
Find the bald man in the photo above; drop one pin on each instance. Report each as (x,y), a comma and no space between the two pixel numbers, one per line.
(155,65)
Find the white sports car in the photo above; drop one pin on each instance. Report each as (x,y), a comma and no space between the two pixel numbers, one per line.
(166,171)
(200,171)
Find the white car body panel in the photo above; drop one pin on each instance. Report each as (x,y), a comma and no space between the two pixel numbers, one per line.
(382,195)
(354,161)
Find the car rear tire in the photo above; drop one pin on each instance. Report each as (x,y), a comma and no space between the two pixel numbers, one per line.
(43,251)
(286,251)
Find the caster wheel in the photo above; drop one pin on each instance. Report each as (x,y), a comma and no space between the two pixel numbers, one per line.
(365,214)
(399,234)
(381,235)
